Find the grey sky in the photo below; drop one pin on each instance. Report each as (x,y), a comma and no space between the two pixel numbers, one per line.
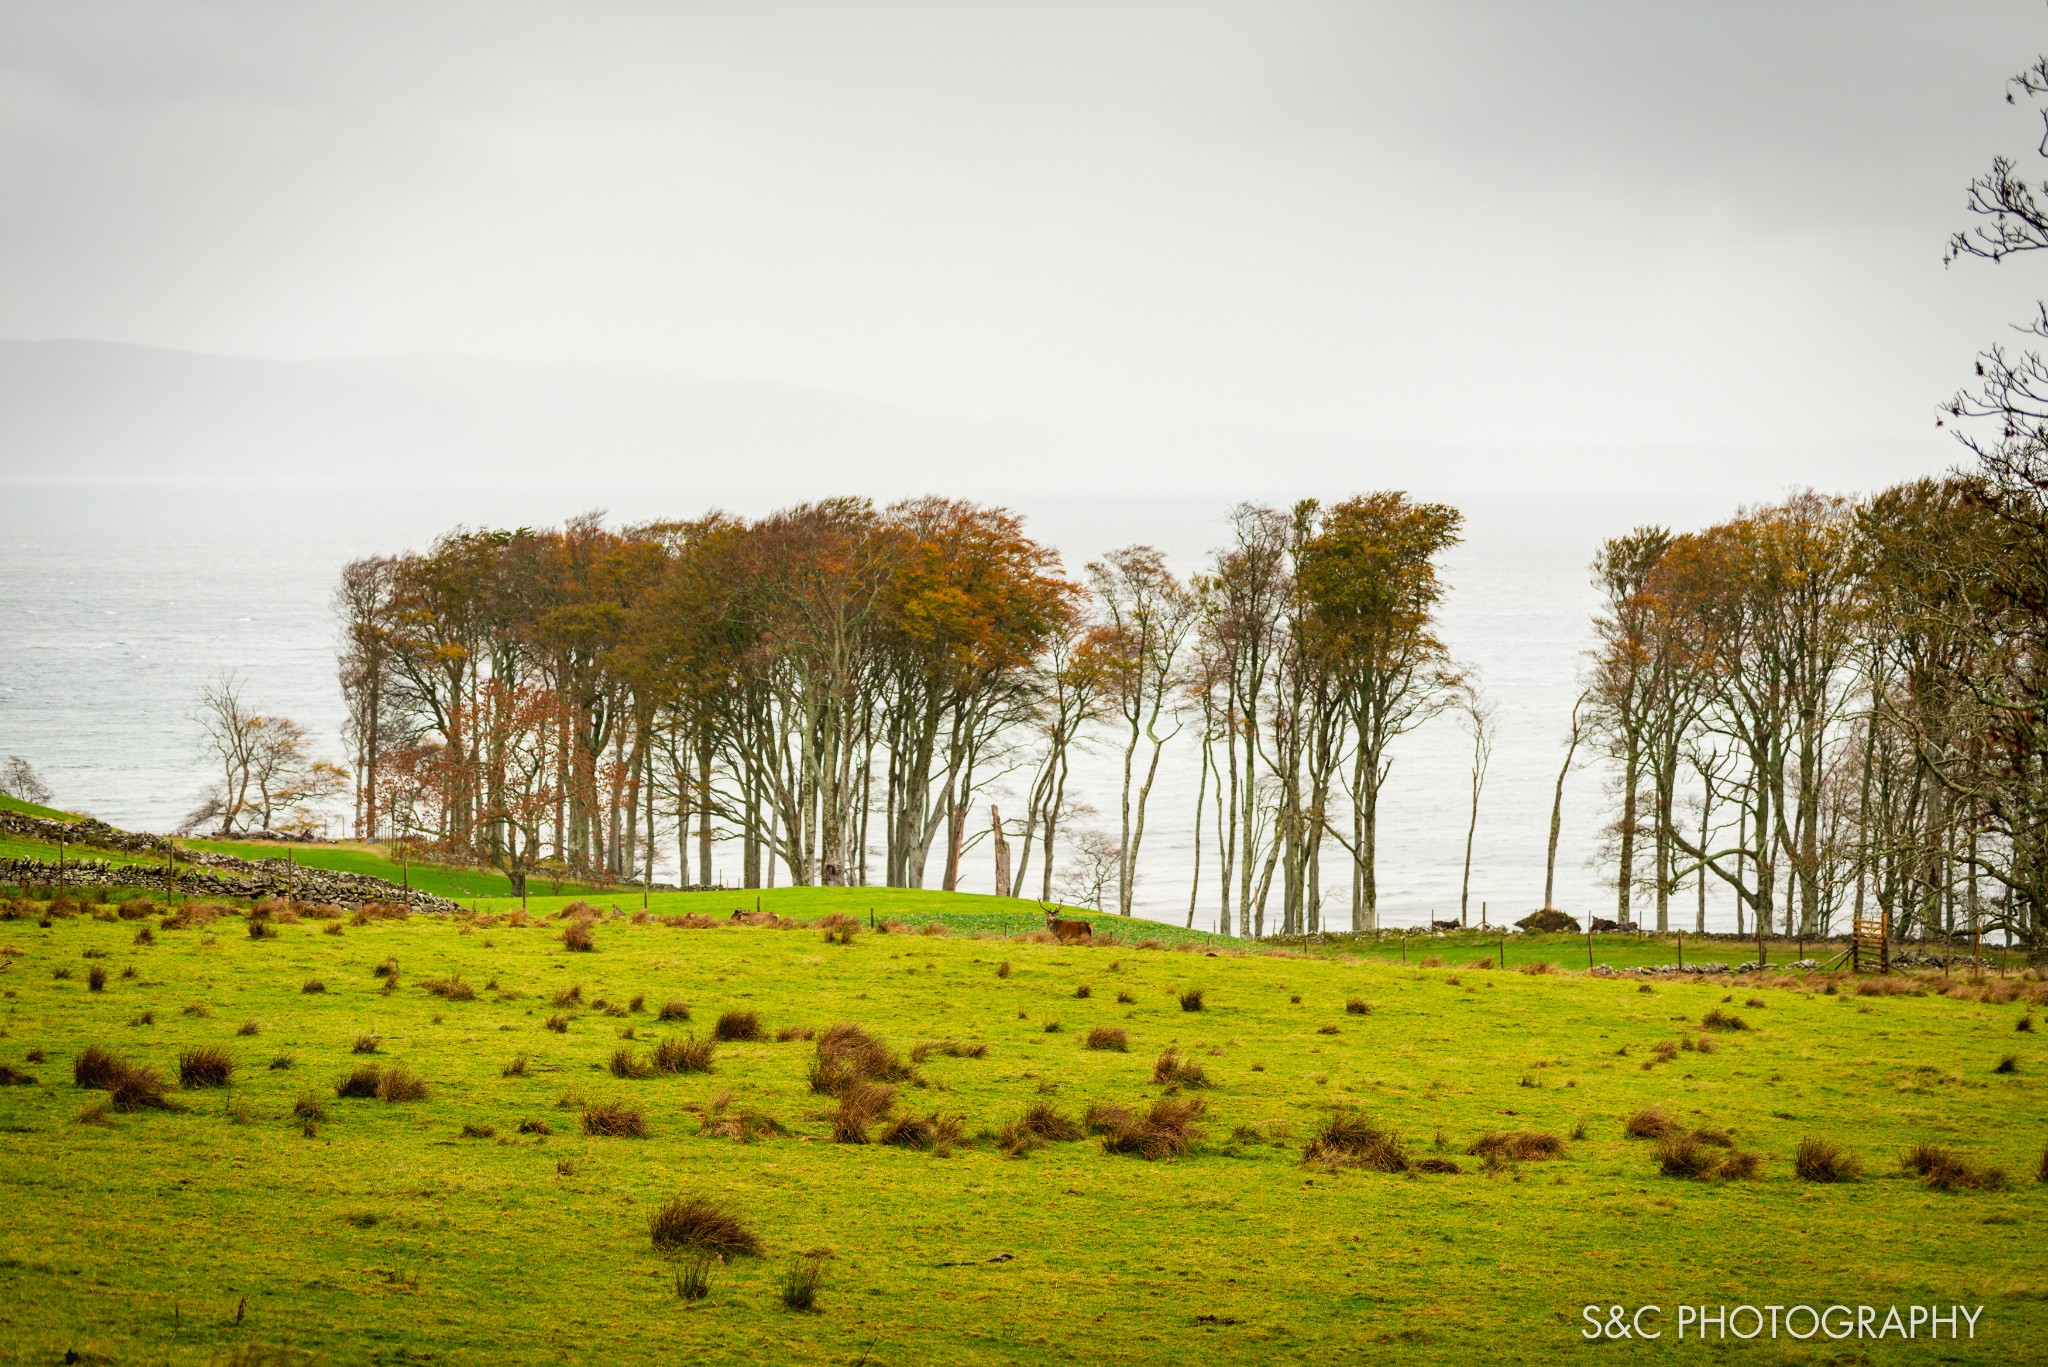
(1513,224)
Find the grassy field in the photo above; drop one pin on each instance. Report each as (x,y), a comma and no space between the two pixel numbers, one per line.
(439,1229)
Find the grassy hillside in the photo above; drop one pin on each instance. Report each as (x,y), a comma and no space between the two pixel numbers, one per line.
(352,857)
(15,804)
(478,1224)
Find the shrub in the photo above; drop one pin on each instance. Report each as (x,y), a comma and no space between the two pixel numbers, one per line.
(361,1083)
(861,1104)
(690,1055)
(1349,1139)
(576,935)
(800,1283)
(312,985)
(1191,1000)
(97,1068)
(559,1022)
(1522,1146)
(516,1068)
(1111,1037)
(934,1133)
(697,1225)
(614,1121)
(1174,1071)
(1823,1160)
(400,1083)
(205,1067)
(96,979)
(1649,1123)
(738,1027)
(1717,1019)
(365,1044)
(1164,1132)
(624,1064)
(673,1011)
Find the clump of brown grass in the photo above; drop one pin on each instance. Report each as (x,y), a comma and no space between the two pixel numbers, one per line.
(472,1130)
(1652,1122)
(559,1022)
(1695,1157)
(308,1107)
(1191,1000)
(1540,966)
(722,1120)
(794,1032)
(96,1068)
(934,1133)
(1717,1019)
(847,1055)
(1084,991)
(690,1055)
(738,1027)
(614,1120)
(1446,1166)
(386,969)
(695,1224)
(1946,1170)
(206,1066)
(1003,969)
(140,1089)
(1350,1139)
(1171,1070)
(249,1028)
(11,1076)
(535,1126)
(841,934)
(1823,1160)
(571,995)
(861,1104)
(1164,1132)
(199,1009)
(1520,1146)
(937,928)
(673,1011)
(145,936)
(1124,998)
(96,979)
(1357,1006)
(516,1068)
(365,1044)
(450,988)
(360,1083)
(1327,1029)
(577,938)
(312,987)
(951,1048)
(400,1083)
(1111,1037)
(624,1063)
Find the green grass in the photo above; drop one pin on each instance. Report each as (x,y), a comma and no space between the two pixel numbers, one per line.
(441,880)
(15,804)
(389,1235)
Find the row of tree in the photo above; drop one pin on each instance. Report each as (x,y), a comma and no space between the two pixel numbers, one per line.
(836,687)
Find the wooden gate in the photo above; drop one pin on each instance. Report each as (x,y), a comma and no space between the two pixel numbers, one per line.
(1870,938)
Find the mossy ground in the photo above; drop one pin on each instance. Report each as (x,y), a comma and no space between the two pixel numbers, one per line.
(387,1235)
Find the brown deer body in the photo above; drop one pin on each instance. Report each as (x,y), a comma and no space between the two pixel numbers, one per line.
(1068,931)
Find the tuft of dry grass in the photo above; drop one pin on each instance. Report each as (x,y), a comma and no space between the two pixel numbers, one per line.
(624,1063)
(577,938)
(1357,1006)
(861,1104)
(1124,998)
(571,995)
(2009,1064)
(801,1282)
(614,1120)
(1697,1157)
(250,1028)
(96,979)
(140,1089)
(1521,1146)
(516,1068)
(308,1108)
(934,1133)
(1110,1037)
(697,1225)
(1946,1170)
(1350,1139)
(1717,1019)
(1823,1160)
(1164,1132)
(848,1055)
(1003,969)
(365,1044)
(450,988)
(1172,1070)
(312,987)
(721,1120)
(1652,1122)
(794,1032)
(559,1022)
(472,1130)
(1191,1000)
(96,1068)
(673,1011)
(360,1083)
(206,1066)
(400,1083)
(738,1027)
(690,1055)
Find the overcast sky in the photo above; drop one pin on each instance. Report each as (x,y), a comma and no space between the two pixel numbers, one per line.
(1503,224)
